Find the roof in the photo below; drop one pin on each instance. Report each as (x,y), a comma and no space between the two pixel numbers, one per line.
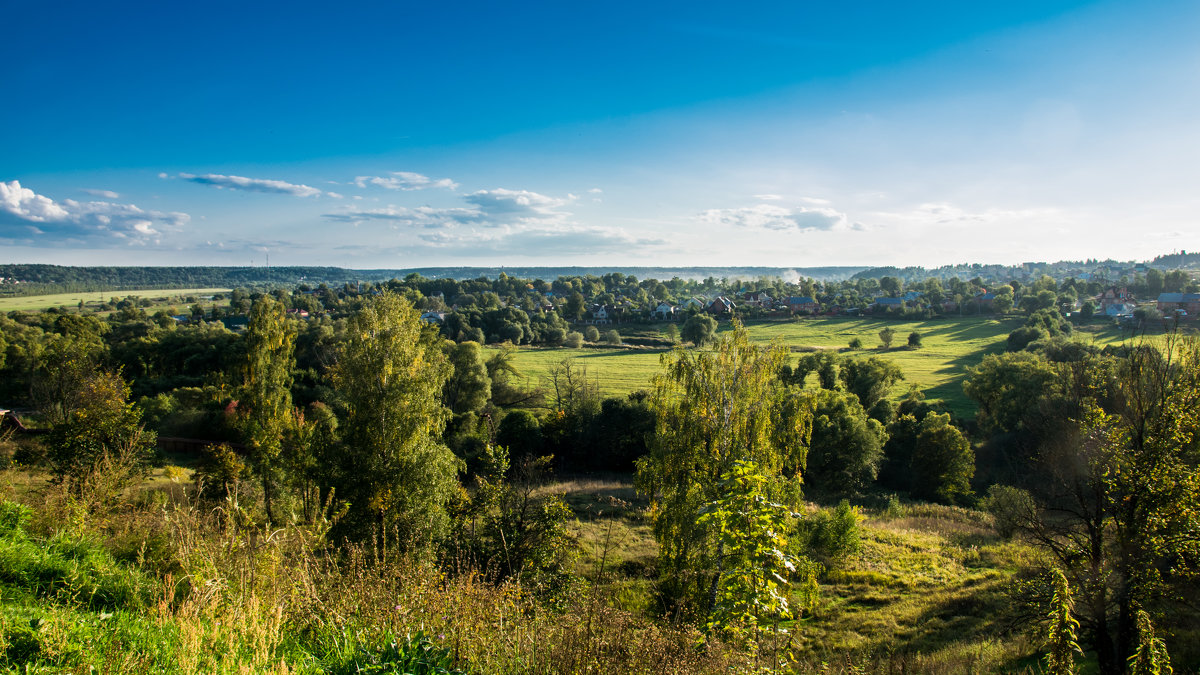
(800,300)
(1179,297)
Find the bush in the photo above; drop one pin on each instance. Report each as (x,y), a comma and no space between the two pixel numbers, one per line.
(834,534)
(914,340)
(1010,507)
(856,344)
(612,337)
(574,340)
(591,334)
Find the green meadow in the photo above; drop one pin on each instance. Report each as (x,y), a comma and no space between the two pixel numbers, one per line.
(948,347)
(38,302)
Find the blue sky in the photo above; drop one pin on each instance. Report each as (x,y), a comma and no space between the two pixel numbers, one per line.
(780,134)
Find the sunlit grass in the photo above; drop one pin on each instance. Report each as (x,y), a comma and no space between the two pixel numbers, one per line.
(72,300)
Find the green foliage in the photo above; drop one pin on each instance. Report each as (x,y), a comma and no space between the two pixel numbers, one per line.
(1006,385)
(755,568)
(100,447)
(574,340)
(414,655)
(62,568)
(942,462)
(886,336)
(519,532)
(220,472)
(1151,656)
(390,379)
(1133,493)
(856,343)
(846,447)
(699,329)
(914,340)
(833,535)
(612,337)
(714,410)
(1010,507)
(266,398)
(468,388)
(591,334)
(869,379)
(520,433)
(1061,643)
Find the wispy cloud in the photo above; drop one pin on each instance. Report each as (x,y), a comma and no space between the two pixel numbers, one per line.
(44,221)
(542,241)
(521,205)
(489,208)
(422,216)
(107,194)
(243,183)
(406,181)
(946,213)
(773,217)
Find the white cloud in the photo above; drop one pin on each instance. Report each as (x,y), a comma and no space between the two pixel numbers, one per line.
(48,221)
(405,180)
(540,242)
(107,194)
(522,205)
(422,216)
(772,217)
(518,209)
(27,205)
(943,213)
(769,197)
(596,191)
(252,184)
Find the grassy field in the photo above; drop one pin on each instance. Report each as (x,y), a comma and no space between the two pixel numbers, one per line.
(929,591)
(949,347)
(38,302)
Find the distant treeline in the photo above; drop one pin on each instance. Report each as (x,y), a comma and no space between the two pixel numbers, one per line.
(43,279)
(40,279)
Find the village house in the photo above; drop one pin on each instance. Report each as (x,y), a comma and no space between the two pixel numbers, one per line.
(1114,296)
(1172,302)
(720,306)
(801,303)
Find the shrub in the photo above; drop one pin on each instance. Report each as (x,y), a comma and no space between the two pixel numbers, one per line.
(574,340)
(612,337)
(591,334)
(914,340)
(1009,506)
(834,534)
(856,343)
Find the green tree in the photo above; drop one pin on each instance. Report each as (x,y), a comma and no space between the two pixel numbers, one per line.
(591,334)
(699,329)
(942,462)
(870,379)
(715,409)
(398,475)
(266,398)
(573,310)
(101,447)
(612,337)
(847,445)
(468,388)
(885,337)
(752,533)
(1119,505)
(914,340)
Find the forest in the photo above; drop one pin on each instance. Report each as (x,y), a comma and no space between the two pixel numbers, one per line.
(358,477)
